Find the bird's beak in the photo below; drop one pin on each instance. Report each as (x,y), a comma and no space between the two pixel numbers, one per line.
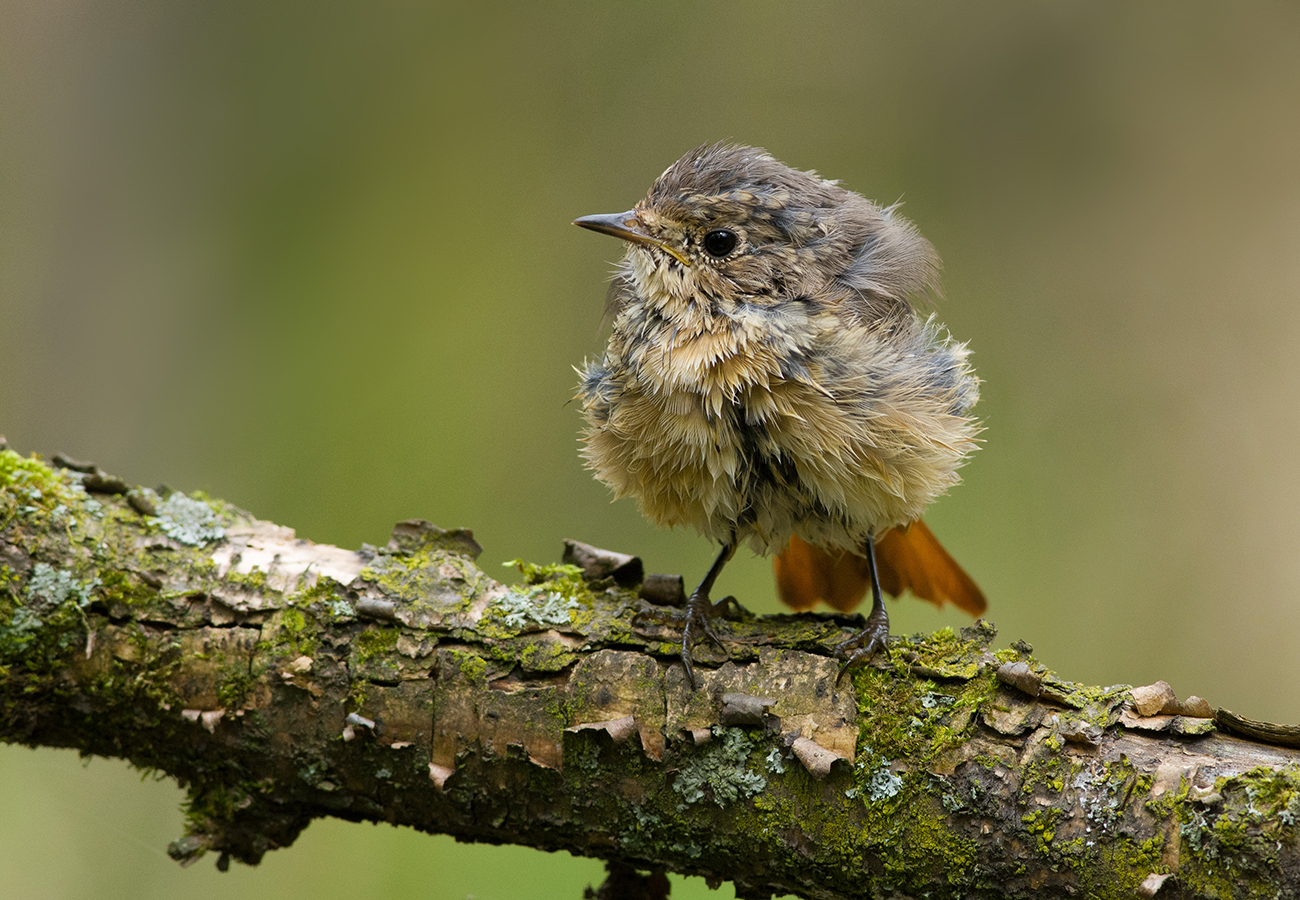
(629,227)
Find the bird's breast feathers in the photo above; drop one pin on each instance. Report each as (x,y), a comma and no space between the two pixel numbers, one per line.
(776,418)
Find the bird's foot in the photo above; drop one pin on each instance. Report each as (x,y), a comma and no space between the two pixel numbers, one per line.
(695,619)
(858,649)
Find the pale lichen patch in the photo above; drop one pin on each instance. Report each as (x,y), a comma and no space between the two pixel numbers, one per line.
(188,521)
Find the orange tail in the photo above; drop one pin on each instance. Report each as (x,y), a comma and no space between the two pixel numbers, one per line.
(908,558)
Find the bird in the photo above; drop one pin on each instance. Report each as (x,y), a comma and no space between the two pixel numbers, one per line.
(772,379)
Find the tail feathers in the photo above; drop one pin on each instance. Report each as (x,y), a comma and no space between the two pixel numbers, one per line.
(908,558)
(806,574)
(913,558)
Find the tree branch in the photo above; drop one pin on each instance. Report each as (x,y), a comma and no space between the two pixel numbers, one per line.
(279,681)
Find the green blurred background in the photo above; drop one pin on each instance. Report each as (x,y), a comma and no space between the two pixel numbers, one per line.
(315,259)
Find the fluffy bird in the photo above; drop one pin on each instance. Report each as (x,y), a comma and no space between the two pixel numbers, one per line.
(768,381)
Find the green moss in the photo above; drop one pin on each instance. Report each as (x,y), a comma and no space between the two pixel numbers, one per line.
(542,655)
(1166,804)
(122,588)
(21,473)
(1041,823)
(358,693)
(945,653)
(472,666)
(915,718)
(323,590)
(559,579)
(907,826)
(375,640)
(293,621)
(535,573)
(292,631)
(254,580)
(235,683)
(929,840)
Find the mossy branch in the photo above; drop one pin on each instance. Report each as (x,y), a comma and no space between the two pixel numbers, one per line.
(279,681)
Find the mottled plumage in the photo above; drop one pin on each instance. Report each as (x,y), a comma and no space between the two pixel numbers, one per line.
(784,387)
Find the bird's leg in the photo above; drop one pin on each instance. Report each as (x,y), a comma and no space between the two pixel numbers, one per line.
(863,645)
(699,612)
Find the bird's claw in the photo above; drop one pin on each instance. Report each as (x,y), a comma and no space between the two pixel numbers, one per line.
(699,614)
(696,618)
(858,649)
(728,608)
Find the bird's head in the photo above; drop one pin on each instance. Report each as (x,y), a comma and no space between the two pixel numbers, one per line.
(727,224)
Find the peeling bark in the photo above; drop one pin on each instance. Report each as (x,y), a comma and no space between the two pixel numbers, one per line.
(279,681)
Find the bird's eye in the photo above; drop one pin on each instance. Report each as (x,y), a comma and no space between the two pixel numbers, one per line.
(719,242)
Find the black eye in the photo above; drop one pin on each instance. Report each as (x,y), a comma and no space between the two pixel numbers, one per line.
(719,242)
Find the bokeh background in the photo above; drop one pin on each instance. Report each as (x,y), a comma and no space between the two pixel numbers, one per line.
(315,258)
